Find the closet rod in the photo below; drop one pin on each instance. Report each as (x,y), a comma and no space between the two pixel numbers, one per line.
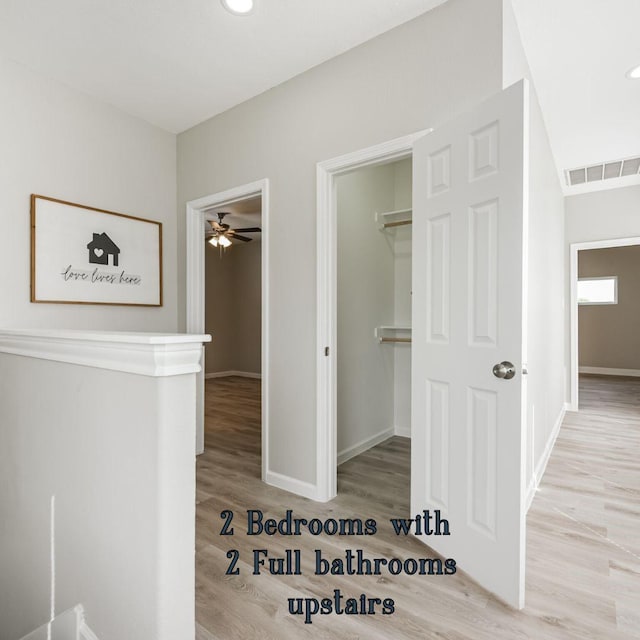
(395,339)
(398,223)
(396,212)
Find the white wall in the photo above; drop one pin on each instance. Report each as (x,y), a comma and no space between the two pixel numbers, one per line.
(116,451)
(60,143)
(408,79)
(603,215)
(545,350)
(233,308)
(548,304)
(514,60)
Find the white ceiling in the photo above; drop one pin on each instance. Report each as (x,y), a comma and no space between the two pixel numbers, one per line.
(176,63)
(579,52)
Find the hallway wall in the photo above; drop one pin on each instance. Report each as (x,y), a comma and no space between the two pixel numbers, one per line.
(544,349)
(60,143)
(405,80)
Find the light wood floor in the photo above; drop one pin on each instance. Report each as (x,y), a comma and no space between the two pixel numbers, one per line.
(583,538)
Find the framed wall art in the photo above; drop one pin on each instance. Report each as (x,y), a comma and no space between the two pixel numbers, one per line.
(84,255)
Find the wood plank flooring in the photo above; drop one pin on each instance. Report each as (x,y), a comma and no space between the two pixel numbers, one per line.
(583,542)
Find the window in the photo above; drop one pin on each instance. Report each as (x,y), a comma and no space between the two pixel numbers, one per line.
(598,290)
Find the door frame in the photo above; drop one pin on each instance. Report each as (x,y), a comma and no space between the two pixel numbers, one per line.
(195,292)
(574,248)
(326,308)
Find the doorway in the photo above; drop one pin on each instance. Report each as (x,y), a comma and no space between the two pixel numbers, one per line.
(233,305)
(199,214)
(575,255)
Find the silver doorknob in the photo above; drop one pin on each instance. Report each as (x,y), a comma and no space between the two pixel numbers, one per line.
(504,370)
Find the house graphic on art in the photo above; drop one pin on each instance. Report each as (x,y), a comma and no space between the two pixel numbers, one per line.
(101,248)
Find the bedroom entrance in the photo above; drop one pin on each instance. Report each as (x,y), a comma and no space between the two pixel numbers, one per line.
(227,296)
(604,306)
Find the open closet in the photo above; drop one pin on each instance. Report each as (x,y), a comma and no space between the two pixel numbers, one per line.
(373,306)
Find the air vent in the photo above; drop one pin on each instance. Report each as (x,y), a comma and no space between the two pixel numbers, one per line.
(631,167)
(604,171)
(594,173)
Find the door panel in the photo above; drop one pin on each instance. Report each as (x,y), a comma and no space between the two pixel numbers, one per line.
(469,217)
(438,260)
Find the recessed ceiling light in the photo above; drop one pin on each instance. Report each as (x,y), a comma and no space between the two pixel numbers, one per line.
(238,7)
(634,73)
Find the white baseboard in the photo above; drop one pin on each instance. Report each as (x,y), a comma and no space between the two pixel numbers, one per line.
(544,459)
(403,432)
(606,371)
(299,487)
(531,493)
(363,445)
(227,374)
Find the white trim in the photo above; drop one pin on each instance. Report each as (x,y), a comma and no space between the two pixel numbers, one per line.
(110,338)
(69,624)
(402,432)
(85,633)
(541,467)
(153,355)
(41,633)
(573,310)
(598,185)
(228,374)
(607,371)
(195,292)
(293,485)
(326,280)
(52,556)
(363,445)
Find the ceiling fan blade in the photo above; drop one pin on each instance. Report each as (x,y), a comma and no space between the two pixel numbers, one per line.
(235,236)
(249,230)
(216,225)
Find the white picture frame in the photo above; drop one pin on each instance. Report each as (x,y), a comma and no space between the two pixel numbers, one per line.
(85,255)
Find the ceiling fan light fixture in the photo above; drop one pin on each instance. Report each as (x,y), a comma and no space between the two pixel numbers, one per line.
(213,241)
(239,7)
(223,241)
(634,73)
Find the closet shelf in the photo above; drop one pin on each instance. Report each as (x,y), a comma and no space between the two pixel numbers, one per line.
(391,219)
(393,334)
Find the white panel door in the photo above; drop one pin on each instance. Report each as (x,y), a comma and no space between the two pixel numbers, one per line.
(468,299)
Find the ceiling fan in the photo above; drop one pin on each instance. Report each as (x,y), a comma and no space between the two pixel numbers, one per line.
(221,234)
